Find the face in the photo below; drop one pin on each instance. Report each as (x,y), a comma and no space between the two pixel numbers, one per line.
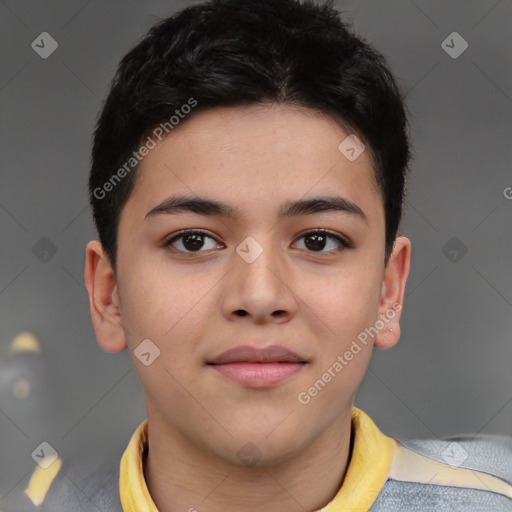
(253,277)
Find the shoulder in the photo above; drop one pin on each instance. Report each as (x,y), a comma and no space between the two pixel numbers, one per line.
(468,472)
(99,489)
(67,487)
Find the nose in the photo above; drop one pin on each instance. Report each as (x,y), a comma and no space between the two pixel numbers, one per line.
(258,286)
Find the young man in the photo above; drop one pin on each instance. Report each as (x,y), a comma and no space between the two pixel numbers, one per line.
(247,184)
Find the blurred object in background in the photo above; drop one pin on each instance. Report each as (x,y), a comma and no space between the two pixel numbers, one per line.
(23,375)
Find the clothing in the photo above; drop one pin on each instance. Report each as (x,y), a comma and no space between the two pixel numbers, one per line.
(469,473)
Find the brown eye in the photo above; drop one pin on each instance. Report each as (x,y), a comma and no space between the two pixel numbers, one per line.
(191,241)
(317,240)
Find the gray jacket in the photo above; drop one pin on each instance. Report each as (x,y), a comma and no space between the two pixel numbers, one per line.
(461,473)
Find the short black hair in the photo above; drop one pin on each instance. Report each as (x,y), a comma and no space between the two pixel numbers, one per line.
(243,52)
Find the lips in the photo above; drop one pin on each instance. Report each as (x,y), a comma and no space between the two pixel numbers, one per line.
(252,367)
(248,354)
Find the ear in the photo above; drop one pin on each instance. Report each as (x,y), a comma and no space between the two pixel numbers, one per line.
(392,293)
(103,298)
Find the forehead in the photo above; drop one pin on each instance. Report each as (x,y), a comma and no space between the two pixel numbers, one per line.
(255,155)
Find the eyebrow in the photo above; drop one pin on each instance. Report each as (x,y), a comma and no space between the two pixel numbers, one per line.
(205,206)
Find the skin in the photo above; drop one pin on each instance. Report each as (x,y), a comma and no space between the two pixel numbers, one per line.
(313,300)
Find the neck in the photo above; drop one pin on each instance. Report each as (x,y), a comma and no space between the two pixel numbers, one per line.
(181,476)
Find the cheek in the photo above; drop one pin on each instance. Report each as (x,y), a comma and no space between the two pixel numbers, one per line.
(334,384)
(172,312)
(346,303)
(157,302)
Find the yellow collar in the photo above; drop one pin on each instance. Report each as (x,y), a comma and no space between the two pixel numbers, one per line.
(366,474)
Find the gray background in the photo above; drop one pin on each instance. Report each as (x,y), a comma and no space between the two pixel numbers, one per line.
(450,372)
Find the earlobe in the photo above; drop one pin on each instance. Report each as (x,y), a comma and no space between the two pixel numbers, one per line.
(103,299)
(392,293)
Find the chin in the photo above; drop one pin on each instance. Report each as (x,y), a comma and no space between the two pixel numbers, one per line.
(270,449)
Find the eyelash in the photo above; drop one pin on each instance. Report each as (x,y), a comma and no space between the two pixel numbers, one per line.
(345,244)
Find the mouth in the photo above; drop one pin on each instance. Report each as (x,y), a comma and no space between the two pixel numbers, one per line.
(258,375)
(258,368)
(250,354)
